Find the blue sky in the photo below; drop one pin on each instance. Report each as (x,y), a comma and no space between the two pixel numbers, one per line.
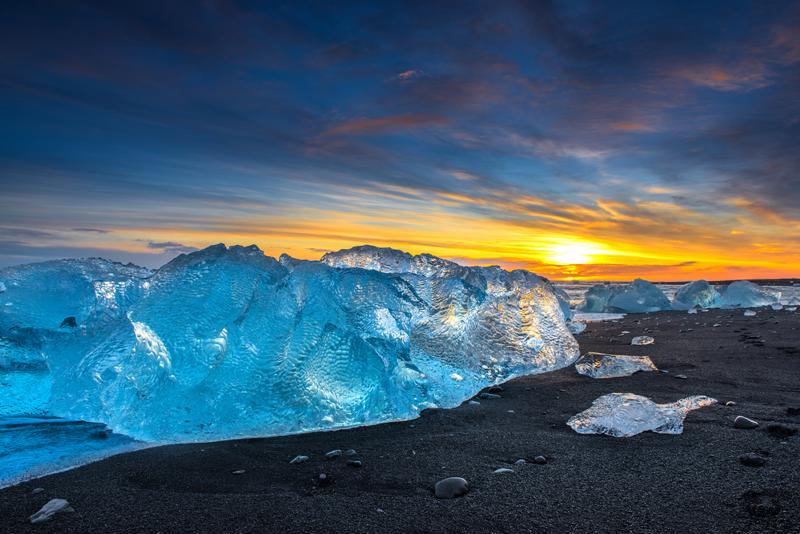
(653,135)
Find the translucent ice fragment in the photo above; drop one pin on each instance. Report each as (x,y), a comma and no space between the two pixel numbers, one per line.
(626,414)
(576,327)
(599,365)
(643,340)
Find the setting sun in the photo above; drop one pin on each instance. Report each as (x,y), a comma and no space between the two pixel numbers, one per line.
(571,253)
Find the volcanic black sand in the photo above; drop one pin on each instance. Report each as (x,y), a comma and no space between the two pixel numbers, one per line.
(693,482)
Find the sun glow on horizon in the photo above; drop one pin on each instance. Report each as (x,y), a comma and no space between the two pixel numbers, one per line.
(572,253)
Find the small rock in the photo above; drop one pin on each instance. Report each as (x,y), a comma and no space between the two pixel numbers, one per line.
(681,377)
(450,488)
(521,461)
(324,479)
(238,472)
(503,470)
(350,452)
(494,389)
(744,422)
(34,491)
(474,403)
(299,459)
(780,430)
(730,403)
(335,453)
(50,509)
(751,459)
(540,460)
(487,396)
(354,463)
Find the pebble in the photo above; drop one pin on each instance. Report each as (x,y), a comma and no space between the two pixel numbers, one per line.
(744,422)
(521,461)
(299,459)
(503,470)
(335,453)
(730,403)
(487,396)
(34,491)
(494,389)
(350,452)
(50,509)
(540,460)
(474,403)
(238,472)
(354,463)
(450,488)
(791,411)
(681,377)
(324,479)
(751,459)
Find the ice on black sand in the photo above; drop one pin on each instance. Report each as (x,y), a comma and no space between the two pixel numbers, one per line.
(50,509)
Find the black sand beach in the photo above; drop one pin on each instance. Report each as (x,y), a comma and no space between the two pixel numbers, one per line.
(693,482)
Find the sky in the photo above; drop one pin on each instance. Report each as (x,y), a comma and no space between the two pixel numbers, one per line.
(580,140)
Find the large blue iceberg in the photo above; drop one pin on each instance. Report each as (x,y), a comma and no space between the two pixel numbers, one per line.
(744,294)
(698,293)
(639,296)
(228,342)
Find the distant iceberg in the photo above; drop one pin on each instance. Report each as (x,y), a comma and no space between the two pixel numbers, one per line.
(744,294)
(696,294)
(228,342)
(637,297)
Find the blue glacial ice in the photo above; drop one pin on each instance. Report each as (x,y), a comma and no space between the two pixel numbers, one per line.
(228,342)
(637,297)
(698,293)
(744,294)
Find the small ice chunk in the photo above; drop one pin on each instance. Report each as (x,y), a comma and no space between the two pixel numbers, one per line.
(50,509)
(626,414)
(300,458)
(503,470)
(643,340)
(777,307)
(791,308)
(692,311)
(576,327)
(750,313)
(457,377)
(599,365)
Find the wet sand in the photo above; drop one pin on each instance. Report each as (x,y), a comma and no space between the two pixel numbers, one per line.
(691,482)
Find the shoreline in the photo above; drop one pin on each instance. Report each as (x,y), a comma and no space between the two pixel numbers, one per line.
(692,482)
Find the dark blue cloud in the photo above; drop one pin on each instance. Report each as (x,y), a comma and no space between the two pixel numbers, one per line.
(116,113)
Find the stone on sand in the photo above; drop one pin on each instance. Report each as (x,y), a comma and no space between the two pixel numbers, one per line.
(449,488)
(744,422)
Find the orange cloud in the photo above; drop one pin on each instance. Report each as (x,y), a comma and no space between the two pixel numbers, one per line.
(385,124)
